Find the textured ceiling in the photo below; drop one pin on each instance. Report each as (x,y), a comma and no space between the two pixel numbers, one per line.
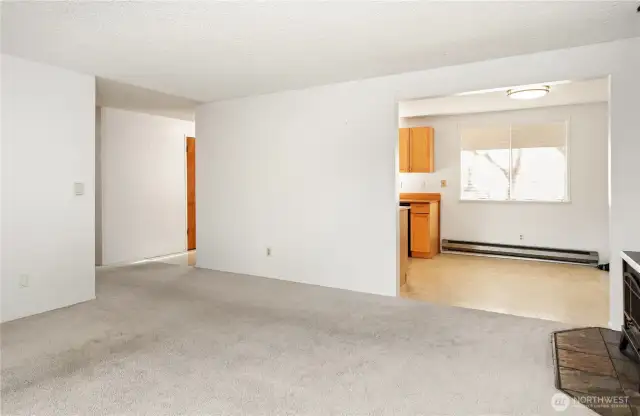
(214,50)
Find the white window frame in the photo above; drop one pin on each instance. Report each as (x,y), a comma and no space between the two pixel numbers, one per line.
(566,121)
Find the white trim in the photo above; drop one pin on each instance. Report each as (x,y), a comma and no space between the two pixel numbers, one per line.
(517,201)
(147,260)
(186,193)
(567,156)
(630,261)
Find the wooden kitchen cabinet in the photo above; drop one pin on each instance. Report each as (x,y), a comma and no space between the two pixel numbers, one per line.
(421,150)
(404,149)
(420,241)
(404,244)
(416,146)
(425,229)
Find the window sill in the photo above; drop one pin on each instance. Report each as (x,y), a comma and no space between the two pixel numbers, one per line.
(515,201)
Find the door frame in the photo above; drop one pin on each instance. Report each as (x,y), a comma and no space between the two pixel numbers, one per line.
(189,246)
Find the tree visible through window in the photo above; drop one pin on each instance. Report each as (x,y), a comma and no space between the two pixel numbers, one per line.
(524,162)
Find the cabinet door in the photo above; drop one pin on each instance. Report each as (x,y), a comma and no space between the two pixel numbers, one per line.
(403,146)
(404,246)
(421,150)
(420,233)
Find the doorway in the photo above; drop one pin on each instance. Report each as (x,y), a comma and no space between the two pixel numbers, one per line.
(191,193)
(521,191)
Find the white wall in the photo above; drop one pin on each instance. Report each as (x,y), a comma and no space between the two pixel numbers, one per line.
(143,185)
(306,173)
(314,171)
(47,145)
(98,187)
(581,224)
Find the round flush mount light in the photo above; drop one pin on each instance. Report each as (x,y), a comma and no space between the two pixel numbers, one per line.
(529,93)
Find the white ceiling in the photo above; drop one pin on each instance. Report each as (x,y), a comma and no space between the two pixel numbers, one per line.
(214,50)
(128,97)
(561,93)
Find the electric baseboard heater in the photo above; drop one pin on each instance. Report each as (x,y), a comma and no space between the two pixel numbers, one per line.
(589,258)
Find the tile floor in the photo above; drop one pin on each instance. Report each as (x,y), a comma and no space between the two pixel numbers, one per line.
(572,294)
(590,368)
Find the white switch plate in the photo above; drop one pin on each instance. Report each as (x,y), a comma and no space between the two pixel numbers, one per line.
(78,188)
(24,280)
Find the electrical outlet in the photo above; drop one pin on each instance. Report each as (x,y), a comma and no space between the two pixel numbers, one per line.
(423,184)
(401,184)
(24,280)
(443,183)
(268,251)
(521,237)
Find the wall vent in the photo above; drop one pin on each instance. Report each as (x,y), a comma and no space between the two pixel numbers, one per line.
(524,252)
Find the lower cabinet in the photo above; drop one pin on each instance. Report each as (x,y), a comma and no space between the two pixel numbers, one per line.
(404,245)
(419,233)
(425,230)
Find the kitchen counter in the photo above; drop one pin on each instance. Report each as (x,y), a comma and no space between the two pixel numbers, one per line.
(423,223)
(401,208)
(419,197)
(632,258)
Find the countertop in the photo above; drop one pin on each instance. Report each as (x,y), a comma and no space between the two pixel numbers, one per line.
(416,201)
(404,208)
(416,197)
(632,258)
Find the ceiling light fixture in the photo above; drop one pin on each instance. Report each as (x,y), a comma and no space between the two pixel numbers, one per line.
(517,87)
(528,93)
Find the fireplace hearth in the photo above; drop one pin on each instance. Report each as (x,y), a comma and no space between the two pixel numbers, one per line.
(591,371)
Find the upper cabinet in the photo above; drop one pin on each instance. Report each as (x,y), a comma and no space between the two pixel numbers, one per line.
(404,139)
(416,149)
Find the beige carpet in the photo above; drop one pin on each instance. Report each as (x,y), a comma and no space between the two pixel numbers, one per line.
(165,340)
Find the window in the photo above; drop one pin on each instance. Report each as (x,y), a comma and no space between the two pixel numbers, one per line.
(519,162)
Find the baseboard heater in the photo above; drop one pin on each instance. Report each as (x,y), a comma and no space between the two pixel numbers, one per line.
(526,252)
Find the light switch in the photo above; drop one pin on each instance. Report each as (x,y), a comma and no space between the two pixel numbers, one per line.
(78,188)
(24,280)
(443,183)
